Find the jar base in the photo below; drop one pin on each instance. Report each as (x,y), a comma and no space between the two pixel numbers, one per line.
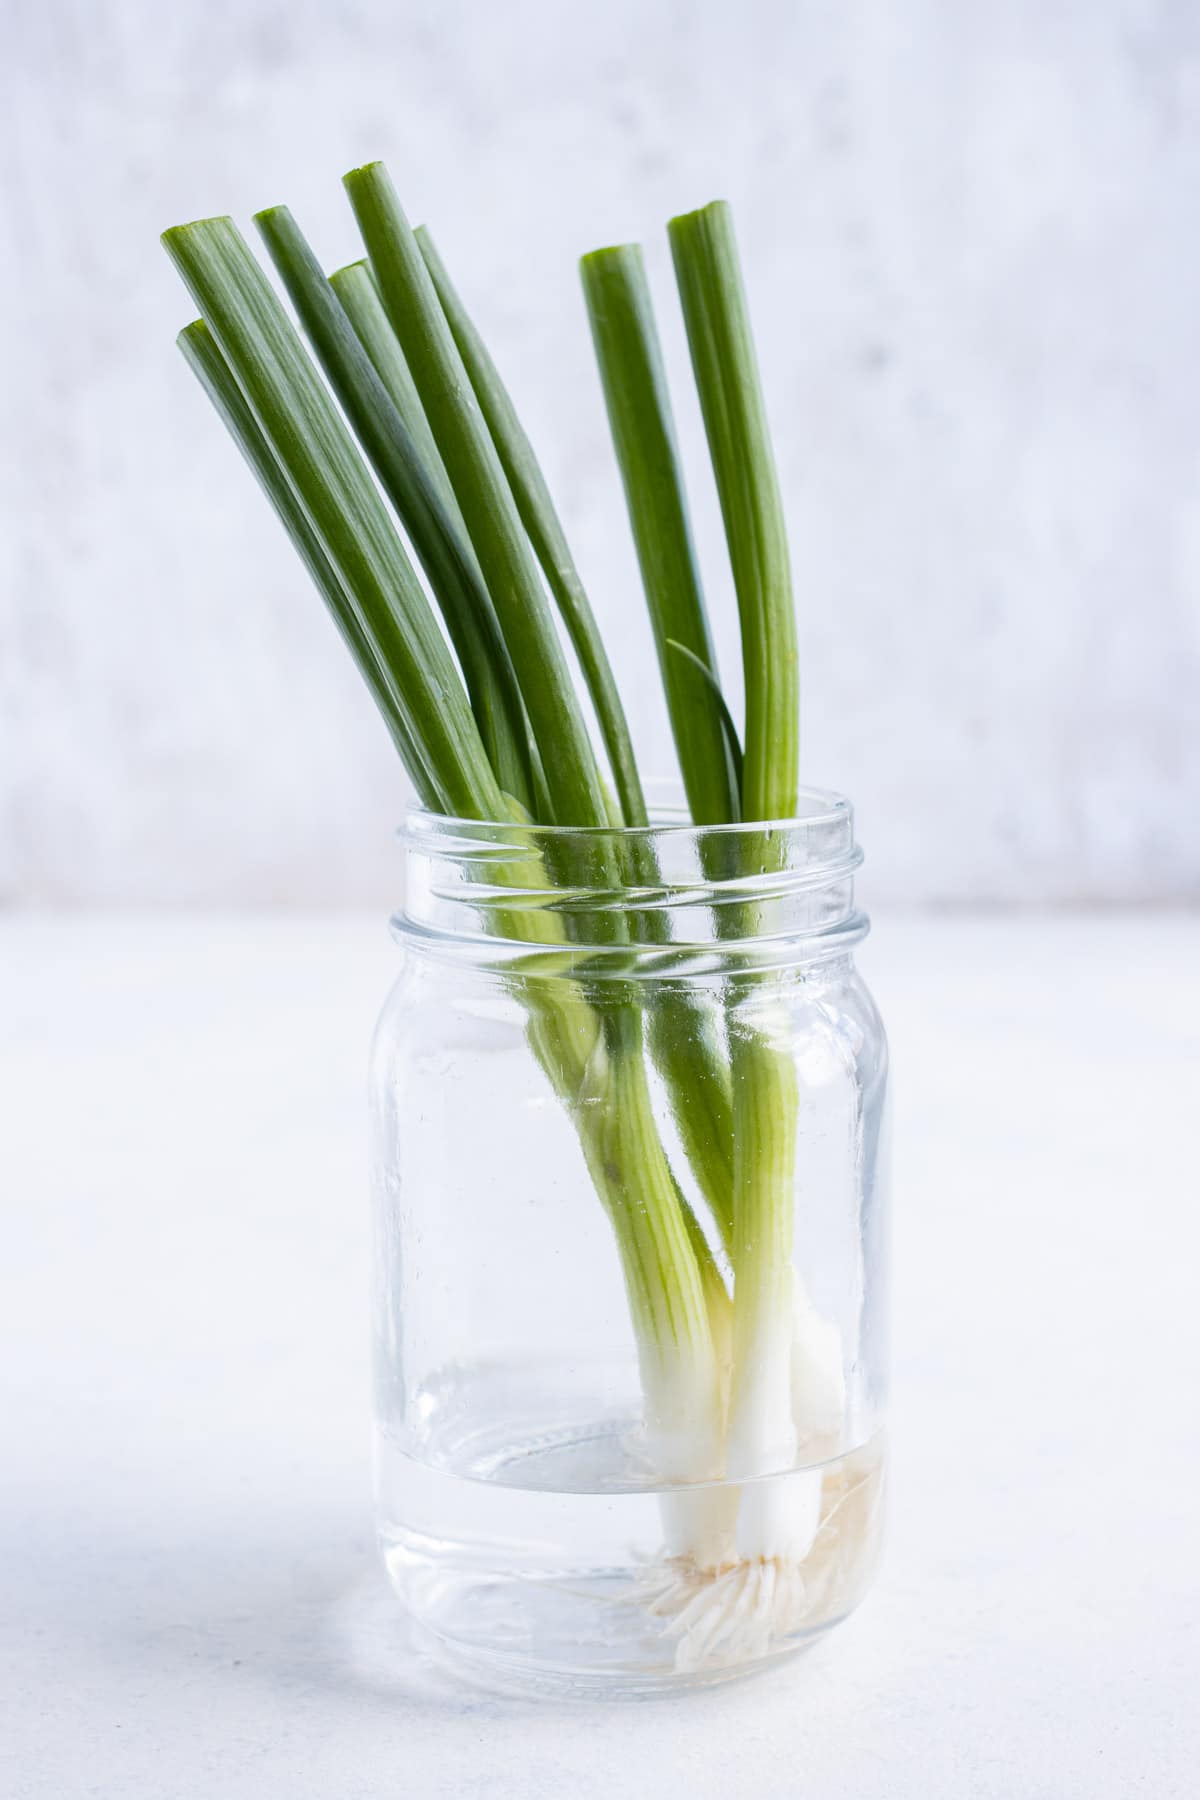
(564,1593)
(514,1677)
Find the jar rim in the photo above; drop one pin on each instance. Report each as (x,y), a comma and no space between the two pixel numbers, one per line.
(657,896)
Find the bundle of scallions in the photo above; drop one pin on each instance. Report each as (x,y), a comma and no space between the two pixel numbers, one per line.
(412,439)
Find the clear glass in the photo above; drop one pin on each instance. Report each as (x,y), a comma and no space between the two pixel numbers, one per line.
(617,1068)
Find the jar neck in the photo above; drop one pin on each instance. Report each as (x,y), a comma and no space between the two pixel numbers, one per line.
(657,898)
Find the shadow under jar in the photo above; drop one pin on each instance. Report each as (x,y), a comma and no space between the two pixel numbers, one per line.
(629,1162)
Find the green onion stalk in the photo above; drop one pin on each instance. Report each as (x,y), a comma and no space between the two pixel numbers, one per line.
(411,439)
(787,1374)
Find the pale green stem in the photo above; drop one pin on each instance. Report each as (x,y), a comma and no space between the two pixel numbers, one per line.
(762,1429)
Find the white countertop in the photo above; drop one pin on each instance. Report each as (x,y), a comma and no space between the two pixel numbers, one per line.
(189,1602)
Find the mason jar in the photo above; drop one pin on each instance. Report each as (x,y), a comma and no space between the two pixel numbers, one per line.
(629,1152)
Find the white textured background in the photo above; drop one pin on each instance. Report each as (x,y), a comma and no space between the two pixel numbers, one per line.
(971,238)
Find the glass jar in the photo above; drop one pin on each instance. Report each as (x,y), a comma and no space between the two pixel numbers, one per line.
(629,1163)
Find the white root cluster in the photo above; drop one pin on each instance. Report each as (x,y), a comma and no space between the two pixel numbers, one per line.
(729,1615)
(747,1566)
(742,1613)
(750,1607)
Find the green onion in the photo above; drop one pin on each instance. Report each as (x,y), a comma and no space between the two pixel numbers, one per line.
(546,534)
(445,555)
(722,347)
(506,740)
(762,1426)
(639,410)
(333,488)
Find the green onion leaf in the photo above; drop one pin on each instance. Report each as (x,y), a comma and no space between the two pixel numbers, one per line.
(726,369)
(546,534)
(471,460)
(412,489)
(727,720)
(643,430)
(313,446)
